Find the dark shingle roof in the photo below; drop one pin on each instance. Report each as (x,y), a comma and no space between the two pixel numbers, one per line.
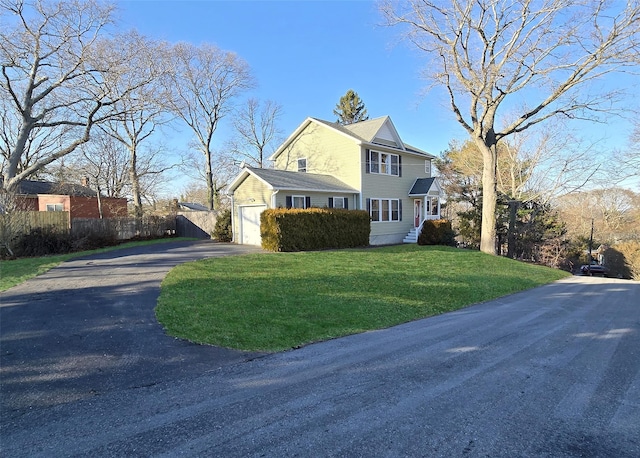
(193,206)
(421,186)
(32,187)
(281,179)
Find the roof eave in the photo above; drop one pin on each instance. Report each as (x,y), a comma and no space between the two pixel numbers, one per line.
(303,126)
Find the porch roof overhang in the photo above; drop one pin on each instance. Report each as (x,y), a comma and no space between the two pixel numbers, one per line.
(422,186)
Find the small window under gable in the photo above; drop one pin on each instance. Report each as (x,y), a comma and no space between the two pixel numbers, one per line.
(302,164)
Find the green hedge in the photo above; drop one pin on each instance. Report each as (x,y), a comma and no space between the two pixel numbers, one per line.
(313,229)
(437,232)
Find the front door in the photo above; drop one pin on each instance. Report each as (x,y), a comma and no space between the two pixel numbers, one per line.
(417,212)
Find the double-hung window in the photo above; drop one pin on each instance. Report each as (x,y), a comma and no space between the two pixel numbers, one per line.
(55,207)
(298,201)
(385,209)
(383,163)
(338,202)
(302,164)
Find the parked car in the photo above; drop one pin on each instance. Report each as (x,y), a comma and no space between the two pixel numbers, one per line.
(594,269)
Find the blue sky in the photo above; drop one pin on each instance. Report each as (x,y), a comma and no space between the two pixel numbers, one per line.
(306,54)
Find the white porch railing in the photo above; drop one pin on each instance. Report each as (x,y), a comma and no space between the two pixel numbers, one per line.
(412,236)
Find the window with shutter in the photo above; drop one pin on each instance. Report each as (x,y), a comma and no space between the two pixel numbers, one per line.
(383,163)
(338,202)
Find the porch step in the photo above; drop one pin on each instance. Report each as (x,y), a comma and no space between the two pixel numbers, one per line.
(412,236)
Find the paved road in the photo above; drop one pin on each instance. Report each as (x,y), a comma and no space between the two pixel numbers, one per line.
(88,327)
(553,372)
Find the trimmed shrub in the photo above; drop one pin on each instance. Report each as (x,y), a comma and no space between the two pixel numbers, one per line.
(437,232)
(42,241)
(314,229)
(222,231)
(623,260)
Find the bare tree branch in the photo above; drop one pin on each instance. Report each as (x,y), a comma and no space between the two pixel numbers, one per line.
(540,55)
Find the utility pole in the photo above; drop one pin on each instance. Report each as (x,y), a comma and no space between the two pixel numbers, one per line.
(590,248)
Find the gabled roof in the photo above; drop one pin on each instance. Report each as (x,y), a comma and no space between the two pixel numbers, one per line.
(33,187)
(378,132)
(422,186)
(292,181)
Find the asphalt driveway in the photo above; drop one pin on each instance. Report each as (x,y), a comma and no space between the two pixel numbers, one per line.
(550,372)
(88,327)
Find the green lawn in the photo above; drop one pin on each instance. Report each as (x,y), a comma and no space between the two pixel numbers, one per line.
(272,302)
(16,271)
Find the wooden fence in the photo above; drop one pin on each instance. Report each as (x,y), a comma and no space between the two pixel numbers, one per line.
(15,223)
(124,228)
(22,222)
(198,224)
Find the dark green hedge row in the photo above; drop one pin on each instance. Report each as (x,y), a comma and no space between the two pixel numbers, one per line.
(437,232)
(314,229)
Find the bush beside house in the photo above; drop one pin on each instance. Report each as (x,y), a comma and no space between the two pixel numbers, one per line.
(223,231)
(313,229)
(437,232)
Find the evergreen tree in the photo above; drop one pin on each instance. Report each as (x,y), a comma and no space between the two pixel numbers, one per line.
(350,109)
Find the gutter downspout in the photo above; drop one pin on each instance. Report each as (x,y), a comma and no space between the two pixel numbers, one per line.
(273,197)
(233,219)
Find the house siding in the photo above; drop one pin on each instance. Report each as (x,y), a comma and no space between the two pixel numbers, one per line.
(392,187)
(318,199)
(327,152)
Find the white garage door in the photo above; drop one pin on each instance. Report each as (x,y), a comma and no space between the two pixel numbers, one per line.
(250,224)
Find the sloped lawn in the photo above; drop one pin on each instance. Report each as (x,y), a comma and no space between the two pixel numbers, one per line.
(272,302)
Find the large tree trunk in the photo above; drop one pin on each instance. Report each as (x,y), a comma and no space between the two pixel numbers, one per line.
(511,237)
(489,197)
(135,184)
(210,185)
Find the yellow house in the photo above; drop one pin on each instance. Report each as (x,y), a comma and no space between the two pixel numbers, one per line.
(364,165)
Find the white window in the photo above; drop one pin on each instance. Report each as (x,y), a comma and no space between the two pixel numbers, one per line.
(298,201)
(338,202)
(427,167)
(55,207)
(385,209)
(433,205)
(302,164)
(383,163)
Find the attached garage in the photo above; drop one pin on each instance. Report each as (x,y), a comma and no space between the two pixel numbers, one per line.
(254,190)
(250,224)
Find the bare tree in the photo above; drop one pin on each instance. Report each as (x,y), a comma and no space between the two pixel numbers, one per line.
(223,168)
(537,56)
(52,83)
(257,132)
(139,113)
(614,211)
(107,163)
(206,83)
